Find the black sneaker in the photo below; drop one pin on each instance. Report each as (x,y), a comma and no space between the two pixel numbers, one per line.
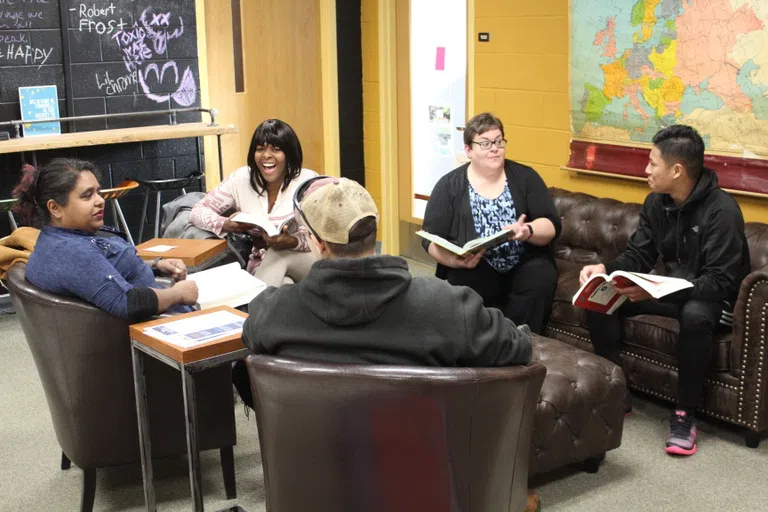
(681,439)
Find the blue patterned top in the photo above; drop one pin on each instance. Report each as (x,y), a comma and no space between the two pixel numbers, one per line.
(490,216)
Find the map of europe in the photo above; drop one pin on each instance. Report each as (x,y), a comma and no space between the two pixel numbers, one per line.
(640,65)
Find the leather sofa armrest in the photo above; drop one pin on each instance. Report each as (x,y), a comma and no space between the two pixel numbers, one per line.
(748,348)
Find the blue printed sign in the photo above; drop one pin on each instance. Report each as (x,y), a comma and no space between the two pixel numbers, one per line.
(39,103)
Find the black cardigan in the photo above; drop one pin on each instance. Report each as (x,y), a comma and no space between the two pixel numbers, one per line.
(449,214)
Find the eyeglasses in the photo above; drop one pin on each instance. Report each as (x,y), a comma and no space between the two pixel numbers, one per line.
(299,196)
(486,144)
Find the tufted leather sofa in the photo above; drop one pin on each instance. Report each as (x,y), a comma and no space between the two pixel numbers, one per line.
(597,230)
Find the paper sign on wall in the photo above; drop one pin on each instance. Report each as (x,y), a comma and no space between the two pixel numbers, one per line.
(440,59)
(39,103)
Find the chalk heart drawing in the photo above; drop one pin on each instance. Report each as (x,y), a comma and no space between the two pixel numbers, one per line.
(185,92)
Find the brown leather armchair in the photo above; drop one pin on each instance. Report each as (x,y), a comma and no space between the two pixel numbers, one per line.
(596,230)
(83,356)
(346,437)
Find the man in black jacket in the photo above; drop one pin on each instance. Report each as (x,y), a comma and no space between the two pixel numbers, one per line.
(697,230)
(355,307)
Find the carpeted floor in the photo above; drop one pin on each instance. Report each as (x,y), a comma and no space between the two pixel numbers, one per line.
(724,476)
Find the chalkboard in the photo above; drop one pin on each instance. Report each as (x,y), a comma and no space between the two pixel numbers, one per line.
(30,51)
(105,57)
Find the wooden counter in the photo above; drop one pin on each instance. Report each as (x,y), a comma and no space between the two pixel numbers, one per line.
(116,136)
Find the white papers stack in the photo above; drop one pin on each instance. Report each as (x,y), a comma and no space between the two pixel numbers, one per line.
(228,285)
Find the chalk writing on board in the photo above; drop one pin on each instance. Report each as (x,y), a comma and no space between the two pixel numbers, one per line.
(97,19)
(25,54)
(112,86)
(20,38)
(10,19)
(133,46)
(147,39)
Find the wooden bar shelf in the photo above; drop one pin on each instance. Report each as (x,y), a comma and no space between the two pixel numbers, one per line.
(114,136)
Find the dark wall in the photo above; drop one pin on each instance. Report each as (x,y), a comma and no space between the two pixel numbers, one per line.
(350,69)
(105,57)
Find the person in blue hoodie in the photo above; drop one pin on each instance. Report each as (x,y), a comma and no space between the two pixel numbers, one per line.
(77,256)
(356,307)
(696,229)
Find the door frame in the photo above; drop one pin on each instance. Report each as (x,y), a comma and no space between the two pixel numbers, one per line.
(394,108)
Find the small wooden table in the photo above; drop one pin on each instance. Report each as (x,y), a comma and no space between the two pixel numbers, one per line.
(188,360)
(196,254)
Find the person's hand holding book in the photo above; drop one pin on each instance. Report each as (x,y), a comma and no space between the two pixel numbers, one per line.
(469,261)
(230,226)
(450,259)
(588,270)
(282,241)
(633,293)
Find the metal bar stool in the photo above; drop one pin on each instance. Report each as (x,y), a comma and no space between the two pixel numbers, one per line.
(158,186)
(112,195)
(6,205)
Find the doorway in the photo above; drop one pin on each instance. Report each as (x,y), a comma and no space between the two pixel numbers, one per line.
(280,72)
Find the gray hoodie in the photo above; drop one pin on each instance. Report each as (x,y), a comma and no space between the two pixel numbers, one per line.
(371,311)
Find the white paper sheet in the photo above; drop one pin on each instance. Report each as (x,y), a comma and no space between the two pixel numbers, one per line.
(227,285)
(160,248)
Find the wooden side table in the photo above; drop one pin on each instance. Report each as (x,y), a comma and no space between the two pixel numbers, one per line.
(188,360)
(196,254)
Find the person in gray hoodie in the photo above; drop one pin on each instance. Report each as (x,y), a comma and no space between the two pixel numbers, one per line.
(356,307)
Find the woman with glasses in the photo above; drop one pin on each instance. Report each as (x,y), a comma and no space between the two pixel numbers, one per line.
(482,197)
(264,189)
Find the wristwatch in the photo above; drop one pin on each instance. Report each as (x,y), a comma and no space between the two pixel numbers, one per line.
(530,228)
(153,263)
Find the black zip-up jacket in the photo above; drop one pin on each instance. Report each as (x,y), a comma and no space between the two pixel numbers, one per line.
(702,241)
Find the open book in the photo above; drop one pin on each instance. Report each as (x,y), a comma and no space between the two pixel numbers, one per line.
(599,294)
(268,227)
(470,247)
(228,285)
